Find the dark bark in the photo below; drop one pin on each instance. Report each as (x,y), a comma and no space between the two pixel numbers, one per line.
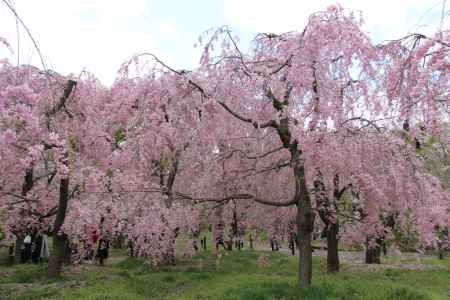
(67,252)
(28,181)
(59,240)
(305,222)
(332,248)
(18,247)
(384,247)
(229,245)
(10,255)
(130,248)
(441,250)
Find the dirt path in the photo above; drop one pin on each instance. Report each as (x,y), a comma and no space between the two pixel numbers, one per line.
(354,260)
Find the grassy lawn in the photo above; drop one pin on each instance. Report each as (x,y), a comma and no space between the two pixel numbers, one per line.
(247,275)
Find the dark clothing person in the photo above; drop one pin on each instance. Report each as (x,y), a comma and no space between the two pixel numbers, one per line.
(26,250)
(36,250)
(102,251)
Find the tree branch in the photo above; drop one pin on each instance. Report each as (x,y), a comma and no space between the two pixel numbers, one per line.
(240,197)
(255,124)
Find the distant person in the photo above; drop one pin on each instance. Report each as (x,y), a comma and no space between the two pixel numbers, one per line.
(45,252)
(102,251)
(36,249)
(26,250)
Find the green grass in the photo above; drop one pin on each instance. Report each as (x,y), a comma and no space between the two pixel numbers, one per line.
(237,275)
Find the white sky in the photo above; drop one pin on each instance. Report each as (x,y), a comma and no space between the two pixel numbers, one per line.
(98,35)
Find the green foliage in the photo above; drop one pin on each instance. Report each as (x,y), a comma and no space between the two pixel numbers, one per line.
(120,136)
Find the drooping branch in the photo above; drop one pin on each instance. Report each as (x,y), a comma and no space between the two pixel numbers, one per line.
(271,123)
(241,56)
(369,122)
(255,156)
(238,197)
(61,105)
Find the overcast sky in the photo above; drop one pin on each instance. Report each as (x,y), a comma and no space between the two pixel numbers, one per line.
(98,35)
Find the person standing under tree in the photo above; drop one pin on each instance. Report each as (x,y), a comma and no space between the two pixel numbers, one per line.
(26,250)
(103,244)
(36,249)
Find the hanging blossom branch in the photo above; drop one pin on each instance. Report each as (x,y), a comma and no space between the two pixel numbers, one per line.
(243,196)
(230,154)
(270,123)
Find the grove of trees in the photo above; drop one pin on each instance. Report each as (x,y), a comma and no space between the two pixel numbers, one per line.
(313,128)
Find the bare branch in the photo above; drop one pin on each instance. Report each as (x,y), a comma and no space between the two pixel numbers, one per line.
(255,124)
(241,197)
(369,122)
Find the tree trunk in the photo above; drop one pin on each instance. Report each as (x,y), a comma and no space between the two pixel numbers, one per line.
(441,250)
(58,255)
(305,219)
(10,260)
(18,247)
(373,253)
(59,241)
(305,257)
(333,248)
(384,247)
(305,222)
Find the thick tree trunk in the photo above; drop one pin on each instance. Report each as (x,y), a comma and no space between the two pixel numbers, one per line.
(18,247)
(373,253)
(58,255)
(59,241)
(333,248)
(305,256)
(305,222)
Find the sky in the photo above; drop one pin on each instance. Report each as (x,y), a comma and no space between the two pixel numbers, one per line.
(99,35)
